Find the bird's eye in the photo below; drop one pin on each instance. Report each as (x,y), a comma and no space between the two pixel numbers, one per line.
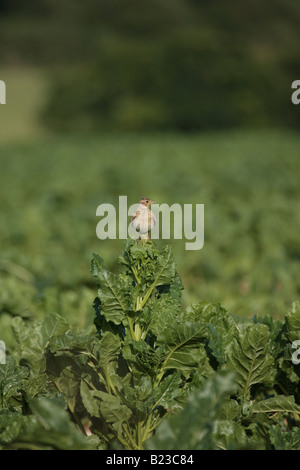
(147,201)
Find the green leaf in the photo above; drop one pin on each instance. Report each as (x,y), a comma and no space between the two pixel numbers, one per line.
(12,378)
(109,351)
(221,328)
(89,399)
(105,406)
(32,341)
(281,403)
(148,265)
(230,410)
(72,339)
(204,311)
(275,327)
(113,411)
(163,311)
(281,439)
(47,427)
(249,357)
(55,427)
(192,428)
(165,269)
(166,392)
(10,425)
(184,345)
(53,325)
(292,323)
(112,292)
(138,397)
(229,435)
(67,383)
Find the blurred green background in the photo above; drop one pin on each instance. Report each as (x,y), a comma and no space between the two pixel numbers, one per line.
(183,101)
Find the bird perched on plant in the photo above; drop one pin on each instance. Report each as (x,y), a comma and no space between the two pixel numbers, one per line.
(143,220)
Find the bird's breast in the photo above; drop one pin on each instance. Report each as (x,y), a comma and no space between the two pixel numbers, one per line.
(144,221)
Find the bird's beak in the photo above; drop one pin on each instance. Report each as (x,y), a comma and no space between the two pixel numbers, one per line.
(152,202)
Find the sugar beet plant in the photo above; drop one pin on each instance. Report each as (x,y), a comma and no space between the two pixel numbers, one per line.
(150,374)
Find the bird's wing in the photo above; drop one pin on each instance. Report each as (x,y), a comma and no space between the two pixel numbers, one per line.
(135,215)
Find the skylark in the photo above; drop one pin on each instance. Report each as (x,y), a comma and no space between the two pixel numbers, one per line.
(143,220)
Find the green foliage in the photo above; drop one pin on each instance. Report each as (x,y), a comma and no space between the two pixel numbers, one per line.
(150,373)
(247,181)
(32,415)
(195,427)
(160,65)
(250,357)
(183,66)
(185,80)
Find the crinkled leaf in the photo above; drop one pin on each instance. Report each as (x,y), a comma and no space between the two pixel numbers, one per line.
(281,439)
(249,357)
(32,341)
(204,311)
(140,356)
(89,399)
(105,406)
(275,327)
(47,427)
(165,269)
(150,265)
(183,344)
(229,410)
(113,411)
(221,327)
(166,392)
(112,292)
(11,383)
(229,435)
(70,340)
(109,348)
(67,383)
(163,311)
(55,428)
(192,428)
(282,403)
(139,394)
(292,323)
(10,425)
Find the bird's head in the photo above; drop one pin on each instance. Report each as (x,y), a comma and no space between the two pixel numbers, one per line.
(146,201)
